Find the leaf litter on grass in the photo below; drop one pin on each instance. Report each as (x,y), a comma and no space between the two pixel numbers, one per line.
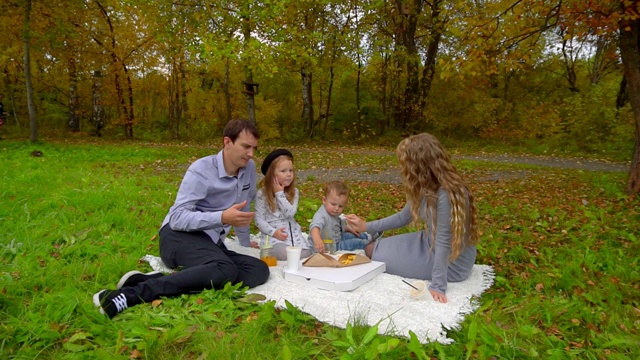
(563,244)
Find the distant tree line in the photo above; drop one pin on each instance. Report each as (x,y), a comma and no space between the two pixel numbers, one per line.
(564,71)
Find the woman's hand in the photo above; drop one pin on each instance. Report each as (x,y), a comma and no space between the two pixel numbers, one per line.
(438,296)
(355,223)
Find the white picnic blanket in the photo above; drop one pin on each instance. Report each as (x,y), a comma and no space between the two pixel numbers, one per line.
(384,301)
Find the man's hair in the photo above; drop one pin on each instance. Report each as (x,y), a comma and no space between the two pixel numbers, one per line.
(235,127)
(337,187)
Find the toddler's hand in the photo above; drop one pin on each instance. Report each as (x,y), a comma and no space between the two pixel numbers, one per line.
(318,245)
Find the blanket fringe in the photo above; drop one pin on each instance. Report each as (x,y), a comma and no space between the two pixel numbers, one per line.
(360,314)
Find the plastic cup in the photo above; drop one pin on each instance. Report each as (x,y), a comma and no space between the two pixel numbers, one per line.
(293,258)
(267,255)
(421,293)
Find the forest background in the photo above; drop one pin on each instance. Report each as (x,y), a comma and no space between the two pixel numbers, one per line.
(562,77)
(558,73)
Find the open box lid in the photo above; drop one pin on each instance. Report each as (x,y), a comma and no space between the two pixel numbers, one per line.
(336,278)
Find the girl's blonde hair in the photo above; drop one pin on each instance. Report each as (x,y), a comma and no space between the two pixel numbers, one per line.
(267,184)
(425,167)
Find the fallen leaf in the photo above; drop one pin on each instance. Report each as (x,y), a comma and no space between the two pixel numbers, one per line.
(252,298)
(156,303)
(539,287)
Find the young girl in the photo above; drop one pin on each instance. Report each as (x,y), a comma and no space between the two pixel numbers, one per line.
(276,205)
(441,204)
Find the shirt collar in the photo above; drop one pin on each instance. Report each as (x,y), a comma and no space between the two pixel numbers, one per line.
(222,172)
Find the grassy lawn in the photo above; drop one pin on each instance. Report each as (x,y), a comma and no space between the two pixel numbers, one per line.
(564,244)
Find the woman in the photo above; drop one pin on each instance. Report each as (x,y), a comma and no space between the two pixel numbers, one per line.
(439,202)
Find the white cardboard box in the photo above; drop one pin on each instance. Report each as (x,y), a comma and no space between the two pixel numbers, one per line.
(339,279)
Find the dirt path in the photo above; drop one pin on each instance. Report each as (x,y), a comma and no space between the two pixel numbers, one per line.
(365,173)
(579,164)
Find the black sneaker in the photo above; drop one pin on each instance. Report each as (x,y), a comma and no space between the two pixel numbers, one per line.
(112,302)
(135,277)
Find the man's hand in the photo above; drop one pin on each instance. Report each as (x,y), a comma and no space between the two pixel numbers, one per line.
(234,215)
(254,245)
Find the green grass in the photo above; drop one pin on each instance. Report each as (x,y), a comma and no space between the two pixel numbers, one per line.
(564,244)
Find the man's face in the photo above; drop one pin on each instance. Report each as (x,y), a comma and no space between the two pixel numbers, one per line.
(239,153)
(334,203)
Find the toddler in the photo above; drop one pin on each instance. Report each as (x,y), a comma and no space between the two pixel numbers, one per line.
(328,220)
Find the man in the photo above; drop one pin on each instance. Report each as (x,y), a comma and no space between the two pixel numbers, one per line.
(215,194)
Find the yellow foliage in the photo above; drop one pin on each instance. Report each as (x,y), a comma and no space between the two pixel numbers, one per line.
(266,115)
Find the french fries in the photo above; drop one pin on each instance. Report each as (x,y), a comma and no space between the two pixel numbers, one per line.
(349,259)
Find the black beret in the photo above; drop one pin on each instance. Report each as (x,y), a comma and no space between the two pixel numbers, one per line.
(272,156)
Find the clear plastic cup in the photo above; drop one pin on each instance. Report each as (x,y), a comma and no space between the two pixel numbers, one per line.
(420,292)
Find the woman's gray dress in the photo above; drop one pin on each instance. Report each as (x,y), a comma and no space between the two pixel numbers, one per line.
(412,256)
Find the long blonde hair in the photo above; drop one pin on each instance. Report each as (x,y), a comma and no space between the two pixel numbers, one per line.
(426,166)
(267,184)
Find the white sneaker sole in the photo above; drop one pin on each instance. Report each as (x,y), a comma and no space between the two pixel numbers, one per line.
(126,277)
(96,301)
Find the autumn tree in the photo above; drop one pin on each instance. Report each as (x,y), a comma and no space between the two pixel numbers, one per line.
(514,28)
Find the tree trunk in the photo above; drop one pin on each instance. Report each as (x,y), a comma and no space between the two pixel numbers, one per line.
(249,96)
(412,116)
(358,106)
(383,96)
(184,104)
(249,85)
(116,61)
(10,88)
(569,66)
(307,100)
(26,37)
(358,109)
(174,100)
(74,121)
(129,115)
(227,93)
(97,115)
(429,70)
(397,100)
(630,53)
(623,94)
(327,113)
(600,62)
